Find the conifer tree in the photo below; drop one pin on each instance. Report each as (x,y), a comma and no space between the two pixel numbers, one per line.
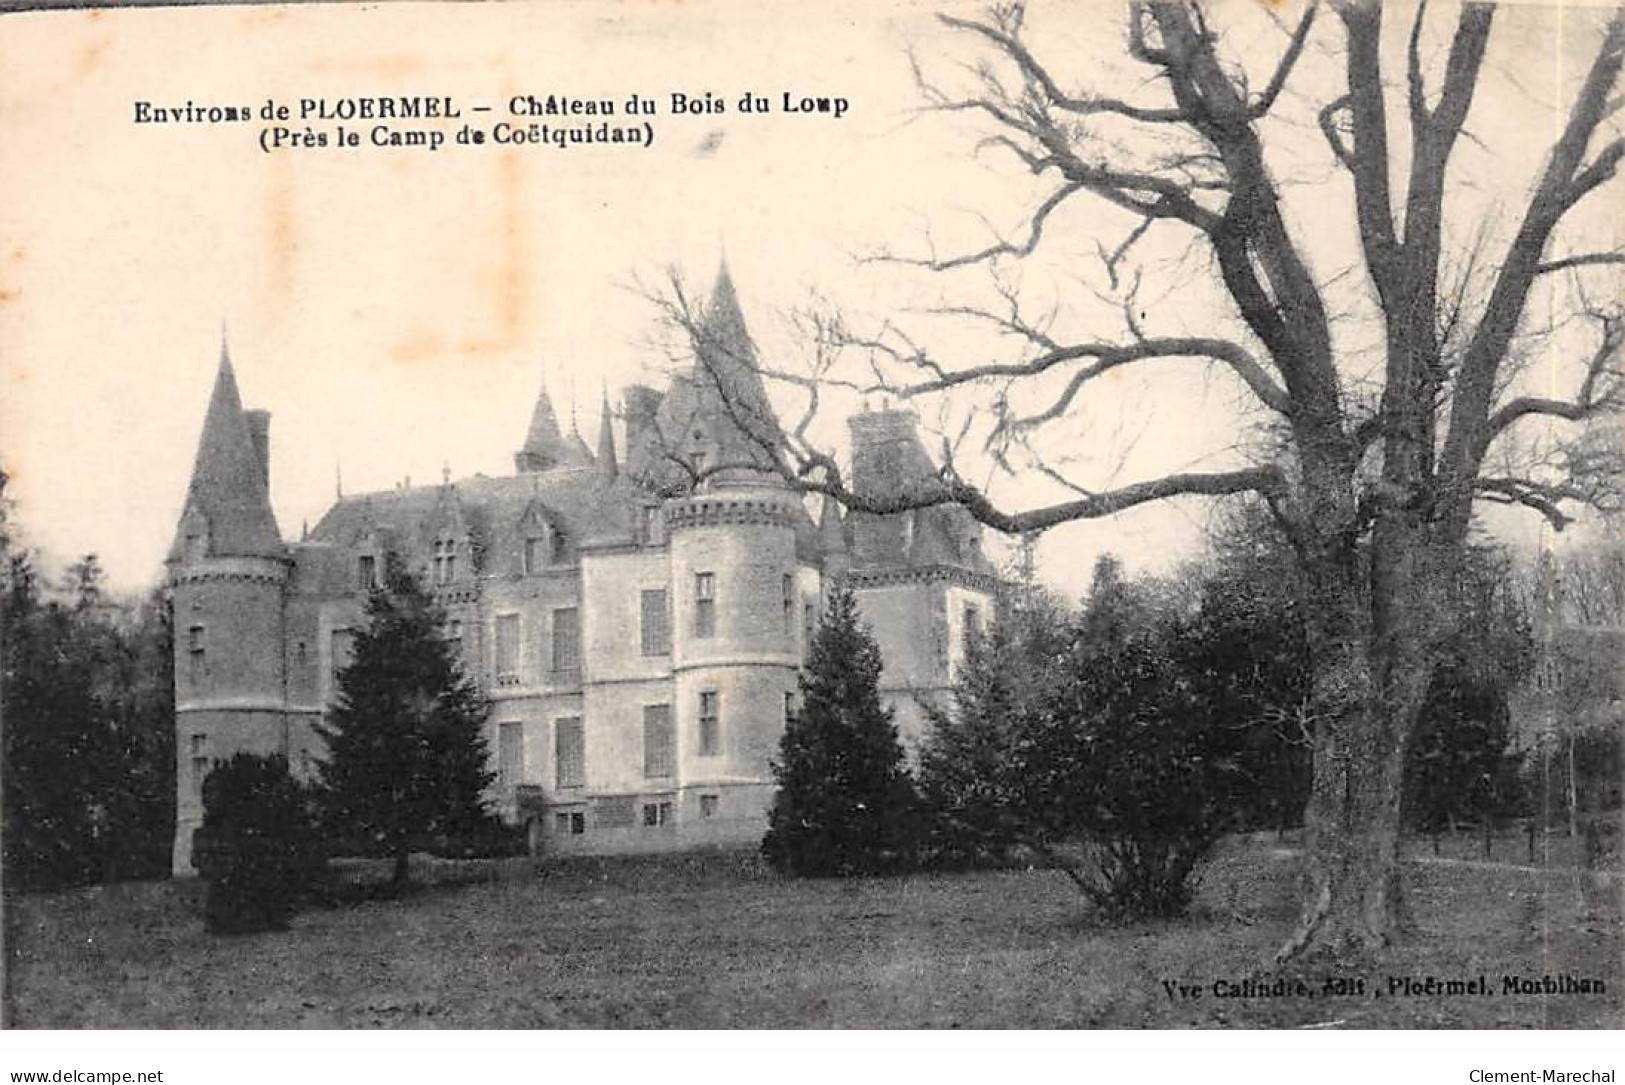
(406,751)
(845,803)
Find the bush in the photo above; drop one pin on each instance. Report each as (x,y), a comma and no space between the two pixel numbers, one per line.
(1095,728)
(258,849)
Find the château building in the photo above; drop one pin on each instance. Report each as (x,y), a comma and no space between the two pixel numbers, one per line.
(636,612)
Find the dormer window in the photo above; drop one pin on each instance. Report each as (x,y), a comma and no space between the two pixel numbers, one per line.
(534,549)
(561,547)
(445,561)
(366,572)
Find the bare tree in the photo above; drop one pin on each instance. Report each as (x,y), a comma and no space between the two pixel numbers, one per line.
(1373,475)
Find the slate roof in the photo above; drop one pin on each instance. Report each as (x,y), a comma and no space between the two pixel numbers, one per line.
(228,486)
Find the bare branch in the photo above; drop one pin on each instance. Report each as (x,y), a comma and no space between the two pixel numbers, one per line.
(1010,44)
(1283,70)
(1035,232)
(1602,389)
(1589,259)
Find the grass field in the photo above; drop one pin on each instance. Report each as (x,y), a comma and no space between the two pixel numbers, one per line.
(717,941)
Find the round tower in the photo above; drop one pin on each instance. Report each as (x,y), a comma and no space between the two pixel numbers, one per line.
(228,578)
(736,648)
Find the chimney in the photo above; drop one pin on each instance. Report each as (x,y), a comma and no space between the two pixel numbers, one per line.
(641,404)
(259,431)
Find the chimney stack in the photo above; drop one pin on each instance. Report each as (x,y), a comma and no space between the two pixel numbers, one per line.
(259,431)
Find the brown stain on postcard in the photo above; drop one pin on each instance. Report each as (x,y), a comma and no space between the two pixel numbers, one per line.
(282,233)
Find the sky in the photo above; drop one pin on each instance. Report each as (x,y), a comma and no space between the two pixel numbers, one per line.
(397,309)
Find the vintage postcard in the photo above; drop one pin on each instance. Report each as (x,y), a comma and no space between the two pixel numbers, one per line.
(716,515)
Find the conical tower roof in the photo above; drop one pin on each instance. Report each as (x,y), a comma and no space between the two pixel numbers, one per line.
(831,535)
(728,382)
(606,440)
(545,445)
(228,477)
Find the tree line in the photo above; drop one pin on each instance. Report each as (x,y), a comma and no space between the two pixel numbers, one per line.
(1120,739)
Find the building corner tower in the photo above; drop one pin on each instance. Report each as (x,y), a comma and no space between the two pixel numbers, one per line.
(228,575)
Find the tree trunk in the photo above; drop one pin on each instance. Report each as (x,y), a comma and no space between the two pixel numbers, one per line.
(1352,889)
(1371,671)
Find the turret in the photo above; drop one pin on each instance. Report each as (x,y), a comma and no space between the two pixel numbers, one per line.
(832,541)
(544,445)
(739,423)
(228,573)
(606,460)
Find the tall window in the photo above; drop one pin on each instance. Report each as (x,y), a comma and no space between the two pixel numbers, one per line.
(651,524)
(789,708)
(787,593)
(366,572)
(454,637)
(561,547)
(533,554)
(510,756)
(507,648)
(659,743)
(973,624)
(656,622)
(200,765)
(710,723)
(194,648)
(570,752)
(705,604)
(340,648)
(445,561)
(566,641)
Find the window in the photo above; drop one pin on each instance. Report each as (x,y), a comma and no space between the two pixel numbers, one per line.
(659,752)
(787,593)
(651,524)
(973,624)
(570,822)
(507,649)
(708,806)
(510,756)
(656,623)
(341,647)
(789,708)
(705,604)
(194,640)
(809,624)
(699,464)
(366,572)
(561,547)
(710,723)
(533,554)
(454,637)
(566,643)
(656,813)
(570,749)
(200,765)
(445,561)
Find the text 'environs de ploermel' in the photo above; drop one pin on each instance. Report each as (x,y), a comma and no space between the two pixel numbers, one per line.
(415,121)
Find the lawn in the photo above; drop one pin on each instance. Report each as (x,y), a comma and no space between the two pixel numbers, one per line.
(717,941)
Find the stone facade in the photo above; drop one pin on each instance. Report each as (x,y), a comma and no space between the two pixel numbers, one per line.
(637,620)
